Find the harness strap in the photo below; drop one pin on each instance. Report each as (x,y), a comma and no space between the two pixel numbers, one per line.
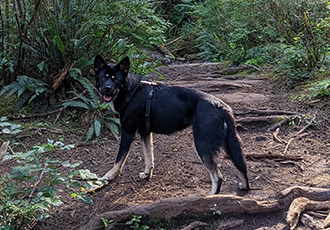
(148,109)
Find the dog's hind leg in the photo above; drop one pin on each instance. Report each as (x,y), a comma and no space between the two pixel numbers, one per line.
(125,144)
(147,146)
(233,148)
(215,174)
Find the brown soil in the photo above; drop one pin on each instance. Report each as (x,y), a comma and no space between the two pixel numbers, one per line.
(178,171)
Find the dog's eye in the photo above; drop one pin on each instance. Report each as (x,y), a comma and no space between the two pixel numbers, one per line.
(112,77)
(107,75)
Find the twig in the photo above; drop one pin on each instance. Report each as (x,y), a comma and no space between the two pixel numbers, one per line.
(279,124)
(308,125)
(299,134)
(38,181)
(45,129)
(256,68)
(175,40)
(60,77)
(59,114)
(36,115)
(275,135)
(287,145)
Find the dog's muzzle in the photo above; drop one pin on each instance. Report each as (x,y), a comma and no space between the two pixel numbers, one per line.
(109,93)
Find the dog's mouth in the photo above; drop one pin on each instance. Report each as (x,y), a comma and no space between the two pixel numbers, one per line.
(110,96)
(107,98)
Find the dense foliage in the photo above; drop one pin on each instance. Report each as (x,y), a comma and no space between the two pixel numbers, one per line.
(292,36)
(45,40)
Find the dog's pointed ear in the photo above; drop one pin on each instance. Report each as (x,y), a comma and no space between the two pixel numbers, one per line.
(99,63)
(124,65)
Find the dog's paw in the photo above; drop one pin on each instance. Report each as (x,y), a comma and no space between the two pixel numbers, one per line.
(243,187)
(144,175)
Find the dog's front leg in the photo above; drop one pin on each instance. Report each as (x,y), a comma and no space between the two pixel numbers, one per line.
(125,144)
(147,146)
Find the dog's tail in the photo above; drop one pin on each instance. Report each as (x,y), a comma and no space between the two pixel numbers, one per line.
(233,147)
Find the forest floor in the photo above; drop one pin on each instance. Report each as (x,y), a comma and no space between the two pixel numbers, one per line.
(178,172)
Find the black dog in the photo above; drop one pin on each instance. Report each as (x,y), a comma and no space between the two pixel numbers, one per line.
(147,108)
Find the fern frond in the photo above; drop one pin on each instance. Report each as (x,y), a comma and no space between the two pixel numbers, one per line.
(97,127)
(90,133)
(77,104)
(13,87)
(76,74)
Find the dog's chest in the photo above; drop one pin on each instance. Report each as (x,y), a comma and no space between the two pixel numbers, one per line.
(112,106)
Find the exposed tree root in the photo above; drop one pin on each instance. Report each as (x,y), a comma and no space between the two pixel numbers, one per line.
(265,112)
(168,208)
(326,222)
(230,224)
(299,205)
(304,198)
(269,119)
(273,156)
(194,225)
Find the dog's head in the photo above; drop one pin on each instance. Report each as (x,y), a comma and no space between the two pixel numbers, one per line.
(110,79)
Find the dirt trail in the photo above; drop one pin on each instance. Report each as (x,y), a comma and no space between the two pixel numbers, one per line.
(178,171)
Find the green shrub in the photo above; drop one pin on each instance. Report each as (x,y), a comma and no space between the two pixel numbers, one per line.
(322,89)
(29,191)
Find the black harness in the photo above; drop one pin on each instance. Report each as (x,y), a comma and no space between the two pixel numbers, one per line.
(148,106)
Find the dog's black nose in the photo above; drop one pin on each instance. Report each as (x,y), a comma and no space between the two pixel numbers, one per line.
(107,87)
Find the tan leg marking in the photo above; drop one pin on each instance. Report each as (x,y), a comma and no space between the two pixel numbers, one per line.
(147,146)
(115,171)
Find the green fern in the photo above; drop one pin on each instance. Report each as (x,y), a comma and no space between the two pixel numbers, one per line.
(25,87)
